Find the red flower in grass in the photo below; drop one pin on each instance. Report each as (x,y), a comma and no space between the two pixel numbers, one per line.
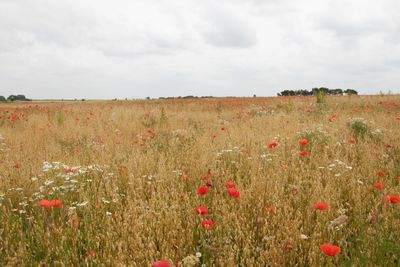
(332,117)
(352,141)
(330,250)
(273,144)
(289,246)
(48,204)
(304,153)
(230,185)
(45,204)
(379,185)
(303,142)
(321,206)
(207,224)
(203,190)
(201,210)
(389,199)
(56,203)
(389,146)
(270,210)
(381,173)
(161,263)
(17,165)
(234,193)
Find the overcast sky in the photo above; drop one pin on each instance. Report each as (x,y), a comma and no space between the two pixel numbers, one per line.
(139,48)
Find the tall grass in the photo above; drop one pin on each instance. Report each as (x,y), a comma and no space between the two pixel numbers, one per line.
(128,172)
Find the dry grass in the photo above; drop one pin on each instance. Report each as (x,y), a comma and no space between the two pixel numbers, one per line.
(129,171)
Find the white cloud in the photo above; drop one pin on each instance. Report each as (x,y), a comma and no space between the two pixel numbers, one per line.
(103,49)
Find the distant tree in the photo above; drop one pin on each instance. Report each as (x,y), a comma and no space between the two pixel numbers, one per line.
(351,92)
(17,98)
(2,99)
(337,91)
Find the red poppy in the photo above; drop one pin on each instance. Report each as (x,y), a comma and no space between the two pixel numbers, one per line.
(303,142)
(381,173)
(270,210)
(17,166)
(56,203)
(222,128)
(234,193)
(207,224)
(230,185)
(389,146)
(303,153)
(273,144)
(332,117)
(45,204)
(213,136)
(352,141)
(161,263)
(203,190)
(379,185)
(330,250)
(389,199)
(321,206)
(48,204)
(289,246)
(201,210)
(91,254)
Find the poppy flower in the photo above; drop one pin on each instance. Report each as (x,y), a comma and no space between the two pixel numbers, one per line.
(332,117)
(222,128)
(321,206)
(273,144)
(330,250)
(379,185)
(56,203)
(45,204)
(48,204)
(203,190)
(91,254)
(161,263)
(389,146)
(270,210)
(207,224)
(213,136)
(234,193)
(17,166)
(230,185)
(303,153)
(389,199)
(352,141)
(303,142)
(381,173)
(201,210)
(289,246)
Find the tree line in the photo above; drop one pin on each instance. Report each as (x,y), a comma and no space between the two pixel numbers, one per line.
(14,98)
(316,91)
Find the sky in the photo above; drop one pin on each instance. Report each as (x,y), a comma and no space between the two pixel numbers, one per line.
(98,49)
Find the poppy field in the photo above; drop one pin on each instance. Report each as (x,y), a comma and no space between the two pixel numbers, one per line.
(280,181)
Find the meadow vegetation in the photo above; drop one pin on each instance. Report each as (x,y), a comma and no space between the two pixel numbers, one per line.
(300,181)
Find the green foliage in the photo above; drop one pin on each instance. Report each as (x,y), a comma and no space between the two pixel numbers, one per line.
(359,128)
(320,97)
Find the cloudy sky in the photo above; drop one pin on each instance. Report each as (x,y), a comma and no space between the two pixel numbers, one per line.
(139,48)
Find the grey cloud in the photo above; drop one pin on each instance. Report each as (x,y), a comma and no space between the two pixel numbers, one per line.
(227,29)
(99,49)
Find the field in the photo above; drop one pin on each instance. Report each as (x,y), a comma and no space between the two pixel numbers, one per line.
(201,182)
